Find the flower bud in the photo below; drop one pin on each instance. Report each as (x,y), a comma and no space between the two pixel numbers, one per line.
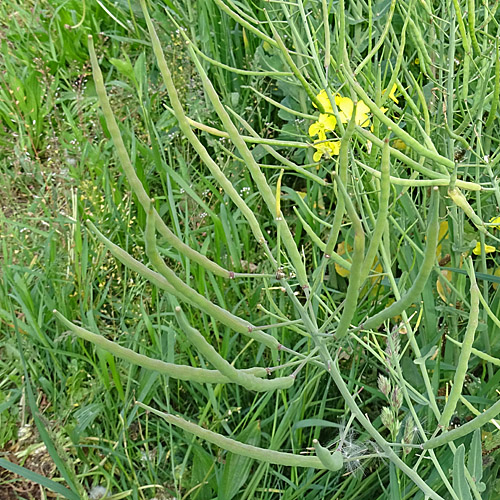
(387,417)
(384,384)
(396,398)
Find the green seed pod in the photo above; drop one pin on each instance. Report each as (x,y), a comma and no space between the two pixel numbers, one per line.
(332,461)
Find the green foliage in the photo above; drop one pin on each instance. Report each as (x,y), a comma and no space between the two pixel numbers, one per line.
(246,84)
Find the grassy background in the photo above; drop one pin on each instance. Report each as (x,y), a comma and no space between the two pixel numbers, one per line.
(58,168)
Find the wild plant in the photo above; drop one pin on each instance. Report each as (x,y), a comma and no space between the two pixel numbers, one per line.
(374,126)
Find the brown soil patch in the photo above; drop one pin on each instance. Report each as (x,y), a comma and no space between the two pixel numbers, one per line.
(14,487)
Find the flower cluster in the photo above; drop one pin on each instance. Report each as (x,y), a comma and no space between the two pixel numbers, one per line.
(327,122)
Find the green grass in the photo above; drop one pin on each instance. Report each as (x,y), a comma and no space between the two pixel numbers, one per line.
(72,403)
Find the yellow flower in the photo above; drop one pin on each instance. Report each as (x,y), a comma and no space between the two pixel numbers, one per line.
(326,123)
(495,220)
(487,249)
(346,107)
(328,148)
(392,93)
(325,101)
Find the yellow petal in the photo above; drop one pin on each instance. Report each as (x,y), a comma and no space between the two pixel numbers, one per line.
(362,120)
(495,220)
(324,100)
(392,92)
(345,106)
(487,249)
(328,122)
(362,108)
(315,129)
(317,156)
(334,147)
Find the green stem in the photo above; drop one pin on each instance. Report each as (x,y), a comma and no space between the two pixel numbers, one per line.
(477,352)
(465,429)
(279,105)
(398,181)
(246,24)
(380,41)
(293,67)
(238,71)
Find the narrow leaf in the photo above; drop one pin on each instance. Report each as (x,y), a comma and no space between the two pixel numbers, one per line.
(459,482)
(38,478)
(475,461)
(237,467)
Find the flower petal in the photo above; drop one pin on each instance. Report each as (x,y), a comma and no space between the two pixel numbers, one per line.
(392,92)
(329,122)
(335,147)
(345,106)
(487,249)
(315,129)
(362,108)
(362,120)
(324,100)
(317,156)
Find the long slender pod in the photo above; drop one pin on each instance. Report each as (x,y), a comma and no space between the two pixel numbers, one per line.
(425,269)
(184,290)
(261,454)
(465,351)
(184,125)
(383,211)
(176,286)
(237,376)
(178,372)
(134,180)
(352,294)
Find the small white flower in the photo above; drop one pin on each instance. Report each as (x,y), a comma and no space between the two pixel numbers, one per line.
(97,492)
